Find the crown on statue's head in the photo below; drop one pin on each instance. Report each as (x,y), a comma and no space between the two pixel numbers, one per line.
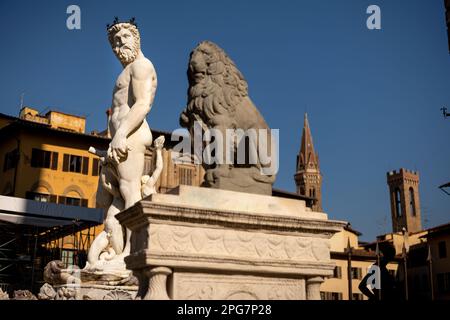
(116,21)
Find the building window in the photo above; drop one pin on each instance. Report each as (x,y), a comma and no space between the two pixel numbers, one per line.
(73,201)
(67,257)
(336,296)
(185,176)
(425,279)
(95,167)
(73,163)
(398,202)
(41,197)
(442,247)
(70,201)
(416,283)
(330,295)
(11,159)
(357,296)
(412,206)
(443,282)
(356,273)
(337,272)
(44,159)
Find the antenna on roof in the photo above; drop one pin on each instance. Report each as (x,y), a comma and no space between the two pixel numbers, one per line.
(21,100)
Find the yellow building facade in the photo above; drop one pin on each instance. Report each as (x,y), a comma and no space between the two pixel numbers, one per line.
(337,286)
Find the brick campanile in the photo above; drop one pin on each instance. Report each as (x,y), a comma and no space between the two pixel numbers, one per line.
(308,178)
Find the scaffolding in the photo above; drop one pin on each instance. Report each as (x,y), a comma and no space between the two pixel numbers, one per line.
(34,235)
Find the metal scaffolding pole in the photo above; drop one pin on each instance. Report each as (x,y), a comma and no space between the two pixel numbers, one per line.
(430,272)
(349,270)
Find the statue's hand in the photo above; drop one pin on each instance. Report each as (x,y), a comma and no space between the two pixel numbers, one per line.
(118,148)
(159,142)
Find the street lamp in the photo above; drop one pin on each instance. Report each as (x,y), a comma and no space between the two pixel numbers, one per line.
(446,185)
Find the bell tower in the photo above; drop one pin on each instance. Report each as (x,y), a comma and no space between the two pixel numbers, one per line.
(308,178)
(405,204)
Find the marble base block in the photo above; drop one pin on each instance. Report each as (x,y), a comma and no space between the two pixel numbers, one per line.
(202,243)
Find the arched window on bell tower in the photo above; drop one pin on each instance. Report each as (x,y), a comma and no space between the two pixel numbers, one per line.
(398,203)
(412,204)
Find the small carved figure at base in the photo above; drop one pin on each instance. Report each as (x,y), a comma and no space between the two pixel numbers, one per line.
(23,295)
(3,295)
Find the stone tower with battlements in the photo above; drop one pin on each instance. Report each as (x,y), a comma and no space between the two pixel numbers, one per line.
(405,204)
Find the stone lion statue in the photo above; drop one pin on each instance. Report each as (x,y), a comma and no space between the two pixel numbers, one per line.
(218,98)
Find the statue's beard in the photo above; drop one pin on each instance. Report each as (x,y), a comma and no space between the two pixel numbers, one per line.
(126,54)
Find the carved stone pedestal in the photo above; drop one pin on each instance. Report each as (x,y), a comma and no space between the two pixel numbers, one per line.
(87,292)
(201,243)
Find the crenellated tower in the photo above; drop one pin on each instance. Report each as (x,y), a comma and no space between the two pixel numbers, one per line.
(405,202)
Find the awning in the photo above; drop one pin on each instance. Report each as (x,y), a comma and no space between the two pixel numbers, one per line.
(33,221)
(30,212)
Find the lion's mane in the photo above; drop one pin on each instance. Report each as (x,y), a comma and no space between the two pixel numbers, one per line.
(222,89)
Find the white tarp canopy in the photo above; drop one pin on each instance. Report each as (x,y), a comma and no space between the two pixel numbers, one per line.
(44,214)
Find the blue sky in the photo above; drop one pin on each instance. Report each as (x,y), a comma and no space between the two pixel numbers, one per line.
(372,97)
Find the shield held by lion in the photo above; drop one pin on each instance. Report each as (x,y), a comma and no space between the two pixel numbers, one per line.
(218,99)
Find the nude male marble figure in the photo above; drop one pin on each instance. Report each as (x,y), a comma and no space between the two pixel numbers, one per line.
(122,180)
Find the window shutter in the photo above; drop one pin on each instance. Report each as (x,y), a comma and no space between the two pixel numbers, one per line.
(84,202)
(62,200)
(339,272)
(95,167)
(53,198)
(34,158)
(66,162)
(54,160)
(85,165)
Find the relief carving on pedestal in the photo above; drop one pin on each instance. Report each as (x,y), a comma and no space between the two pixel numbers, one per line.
(227,287)
(235,243)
